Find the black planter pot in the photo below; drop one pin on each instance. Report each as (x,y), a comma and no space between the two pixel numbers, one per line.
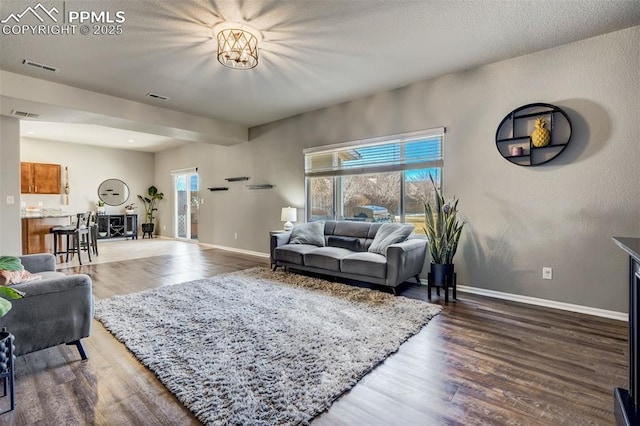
(147,229)
(441,272)
(7,348)
(442,275)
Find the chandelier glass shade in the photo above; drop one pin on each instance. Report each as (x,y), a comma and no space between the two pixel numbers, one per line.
(237,49)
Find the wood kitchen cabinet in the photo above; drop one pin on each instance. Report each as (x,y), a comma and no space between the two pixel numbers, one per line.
(36,233)
(40,178)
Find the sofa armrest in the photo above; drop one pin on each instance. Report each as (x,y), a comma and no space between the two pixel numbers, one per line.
(55,285)
(39,262)
(278,240)
(53,311)
(405,260)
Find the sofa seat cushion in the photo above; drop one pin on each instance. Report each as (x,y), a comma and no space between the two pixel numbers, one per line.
(293,253)
(326,257)
(365,263)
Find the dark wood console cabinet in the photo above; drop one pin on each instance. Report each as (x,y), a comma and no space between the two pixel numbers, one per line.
(118,226)
(626,401)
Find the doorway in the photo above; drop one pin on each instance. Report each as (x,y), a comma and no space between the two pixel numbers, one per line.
(187,204)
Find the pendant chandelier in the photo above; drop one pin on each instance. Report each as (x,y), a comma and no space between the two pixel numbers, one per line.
(237,48)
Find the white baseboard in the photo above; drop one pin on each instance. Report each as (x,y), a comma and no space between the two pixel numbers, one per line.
(620,316)
(237,250)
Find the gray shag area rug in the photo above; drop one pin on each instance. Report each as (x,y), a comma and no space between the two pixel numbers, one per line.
(258,347)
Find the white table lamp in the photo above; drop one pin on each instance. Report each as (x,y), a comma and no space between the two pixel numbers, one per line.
(289,214)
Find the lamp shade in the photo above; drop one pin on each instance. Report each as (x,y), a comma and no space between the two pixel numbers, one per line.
(289,214)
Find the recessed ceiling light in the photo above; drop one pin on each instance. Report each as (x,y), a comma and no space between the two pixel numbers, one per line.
(31,133)
(131,141)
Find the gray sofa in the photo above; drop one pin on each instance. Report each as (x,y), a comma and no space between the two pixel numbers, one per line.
(346,254)
(56,309)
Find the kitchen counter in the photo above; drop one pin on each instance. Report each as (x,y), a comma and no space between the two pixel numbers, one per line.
(36,231)
(44,213)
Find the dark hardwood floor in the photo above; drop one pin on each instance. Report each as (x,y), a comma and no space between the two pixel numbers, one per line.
(481,361)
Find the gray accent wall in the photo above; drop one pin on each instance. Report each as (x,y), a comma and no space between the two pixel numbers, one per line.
(561,215)
(10,230)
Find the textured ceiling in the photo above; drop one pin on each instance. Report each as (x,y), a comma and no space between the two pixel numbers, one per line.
(313,54)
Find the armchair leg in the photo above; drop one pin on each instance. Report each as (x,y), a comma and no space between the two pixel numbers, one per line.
(275,267)
(78,344)
(418,279)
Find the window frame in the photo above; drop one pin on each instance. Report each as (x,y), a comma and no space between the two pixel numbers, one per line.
(338,173)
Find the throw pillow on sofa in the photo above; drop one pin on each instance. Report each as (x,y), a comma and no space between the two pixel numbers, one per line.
(389,233)
(12,271)
(348,243)
(308,233)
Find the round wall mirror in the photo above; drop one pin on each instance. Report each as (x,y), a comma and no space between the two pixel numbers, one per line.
(113,192)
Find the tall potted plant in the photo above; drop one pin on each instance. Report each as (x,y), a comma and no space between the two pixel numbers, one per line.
(149,208)
(443,229)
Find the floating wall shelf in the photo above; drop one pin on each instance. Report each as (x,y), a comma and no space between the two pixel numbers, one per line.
(218,188)
(515,130)
(236,179)
(264,186)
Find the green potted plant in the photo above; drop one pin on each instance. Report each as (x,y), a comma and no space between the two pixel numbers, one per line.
(443,230)
(7,293)
(149,208)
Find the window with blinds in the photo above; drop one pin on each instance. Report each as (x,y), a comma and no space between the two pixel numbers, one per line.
(404,152)
(377,180)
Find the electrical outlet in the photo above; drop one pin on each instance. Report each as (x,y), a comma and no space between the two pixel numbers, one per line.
(10,199)
(40,204)
(547,273)
(235,236)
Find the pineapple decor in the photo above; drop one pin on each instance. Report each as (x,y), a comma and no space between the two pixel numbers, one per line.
(540,136)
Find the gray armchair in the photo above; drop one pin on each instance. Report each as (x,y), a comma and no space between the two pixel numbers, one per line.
(56,309)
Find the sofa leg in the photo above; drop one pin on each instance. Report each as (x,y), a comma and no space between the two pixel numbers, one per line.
(275,267)
(418,279)
(78,344)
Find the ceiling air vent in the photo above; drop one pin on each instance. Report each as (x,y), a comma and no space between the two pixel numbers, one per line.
(24,114)
(41,66)
(156,96)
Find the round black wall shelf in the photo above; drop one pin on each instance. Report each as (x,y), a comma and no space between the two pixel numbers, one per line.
(513,137)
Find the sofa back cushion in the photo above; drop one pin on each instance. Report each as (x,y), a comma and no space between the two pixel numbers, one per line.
(365,232)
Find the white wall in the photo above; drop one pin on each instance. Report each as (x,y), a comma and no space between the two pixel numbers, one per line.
(88,167)
(10,229)
(520,219)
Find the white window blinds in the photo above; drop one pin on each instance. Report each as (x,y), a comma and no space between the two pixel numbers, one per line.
(415,150)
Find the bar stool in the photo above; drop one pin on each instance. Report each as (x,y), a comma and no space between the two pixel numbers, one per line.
(78,237)
(93,232)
